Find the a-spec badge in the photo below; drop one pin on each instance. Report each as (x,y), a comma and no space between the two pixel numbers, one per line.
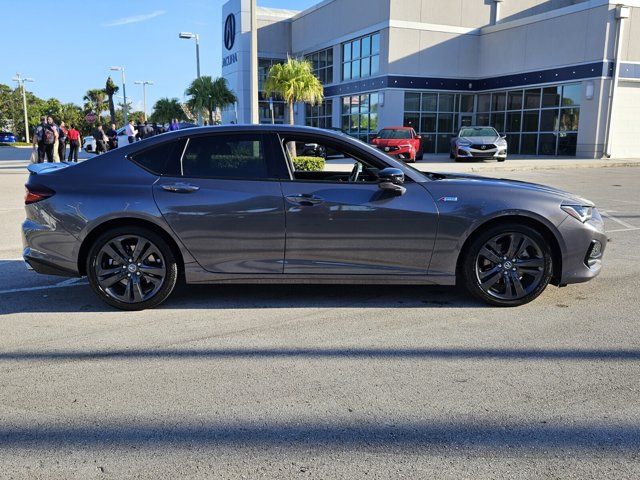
(448,199)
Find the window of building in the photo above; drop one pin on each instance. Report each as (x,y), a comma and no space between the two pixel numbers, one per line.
(536,121)
(435,117)
(264,111)
(361,57)
(322,64)
(225,156)
(319,115)
(359,115)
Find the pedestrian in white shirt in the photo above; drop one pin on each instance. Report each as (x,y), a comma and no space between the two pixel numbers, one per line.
(131,131)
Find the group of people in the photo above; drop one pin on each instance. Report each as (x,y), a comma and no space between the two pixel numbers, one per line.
(50,141)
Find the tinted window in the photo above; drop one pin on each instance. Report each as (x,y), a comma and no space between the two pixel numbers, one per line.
(225,156)
(163,159)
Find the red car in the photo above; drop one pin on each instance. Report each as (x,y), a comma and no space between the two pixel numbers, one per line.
(400,142)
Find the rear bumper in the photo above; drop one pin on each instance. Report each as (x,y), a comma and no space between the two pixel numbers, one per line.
(35,261)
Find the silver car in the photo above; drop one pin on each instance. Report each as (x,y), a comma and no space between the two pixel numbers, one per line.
(235,205)
(478,143)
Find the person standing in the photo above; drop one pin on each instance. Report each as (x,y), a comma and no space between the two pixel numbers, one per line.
(53,148)
(74,143)
(131,132)
(62,141)
(148,130)
(173,126)
(38,139)
(101,140)
(112,135)
(140,131)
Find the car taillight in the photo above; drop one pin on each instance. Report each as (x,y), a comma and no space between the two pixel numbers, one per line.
(35,193)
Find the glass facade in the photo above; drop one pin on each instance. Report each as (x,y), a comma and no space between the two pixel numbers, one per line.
(322,63)
(435,116)
(359,115)
(264,112)
(319,115)
(536,121)
(361,57)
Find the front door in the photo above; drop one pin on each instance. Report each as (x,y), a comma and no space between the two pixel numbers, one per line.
(225,206)
(341,222)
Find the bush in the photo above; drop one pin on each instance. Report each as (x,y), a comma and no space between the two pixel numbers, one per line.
(309,164)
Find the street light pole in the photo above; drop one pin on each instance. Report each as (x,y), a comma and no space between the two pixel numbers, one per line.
(144,84)
(196,37)
(20,80)
(124,92)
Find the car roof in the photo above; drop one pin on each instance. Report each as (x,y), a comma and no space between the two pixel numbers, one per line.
(397,128)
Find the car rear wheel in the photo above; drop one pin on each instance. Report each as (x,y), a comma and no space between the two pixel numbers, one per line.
(507,265)
(131,268)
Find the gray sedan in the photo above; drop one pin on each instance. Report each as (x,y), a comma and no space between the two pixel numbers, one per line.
(235,205)
(478,143)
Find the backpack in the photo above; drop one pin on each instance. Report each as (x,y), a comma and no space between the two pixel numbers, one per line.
(48,137)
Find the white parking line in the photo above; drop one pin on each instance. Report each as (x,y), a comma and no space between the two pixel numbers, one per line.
(623,230)
(617,220)
(70,282)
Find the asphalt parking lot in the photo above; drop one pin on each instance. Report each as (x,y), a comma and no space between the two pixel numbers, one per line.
(324,381)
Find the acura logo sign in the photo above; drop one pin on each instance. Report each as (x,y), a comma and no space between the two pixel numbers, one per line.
(229,31)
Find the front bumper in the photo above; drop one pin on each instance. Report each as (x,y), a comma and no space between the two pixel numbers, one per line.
(400,153)
(469,152)
(580,239)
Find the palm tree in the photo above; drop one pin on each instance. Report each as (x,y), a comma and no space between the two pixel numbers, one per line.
(95,100)
(208,95)
(110,89)
(294,81)
(166,109)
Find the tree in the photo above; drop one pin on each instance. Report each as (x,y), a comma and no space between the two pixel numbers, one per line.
(208,95)
(166,109)
(110,90)
(95,100)
(294,81)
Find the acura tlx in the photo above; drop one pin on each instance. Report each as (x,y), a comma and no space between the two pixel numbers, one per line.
(234,204)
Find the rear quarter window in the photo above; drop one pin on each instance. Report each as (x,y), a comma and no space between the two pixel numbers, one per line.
(163,159)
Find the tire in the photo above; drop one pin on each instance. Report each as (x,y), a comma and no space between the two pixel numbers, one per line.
(145,282)
(452,156)
(502,159)
(420,154)
(487,278)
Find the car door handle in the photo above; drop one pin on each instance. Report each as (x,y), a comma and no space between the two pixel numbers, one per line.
(180,187)
(304,199)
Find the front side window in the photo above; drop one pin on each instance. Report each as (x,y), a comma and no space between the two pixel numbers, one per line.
(225,156)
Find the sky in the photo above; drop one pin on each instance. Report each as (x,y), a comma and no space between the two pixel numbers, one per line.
(68,46)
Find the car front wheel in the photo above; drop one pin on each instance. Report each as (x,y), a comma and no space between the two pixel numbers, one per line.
(507,265)
(132,268)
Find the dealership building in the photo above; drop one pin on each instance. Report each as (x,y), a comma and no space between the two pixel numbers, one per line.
(557,77)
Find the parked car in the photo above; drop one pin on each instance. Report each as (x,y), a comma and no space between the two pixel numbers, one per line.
(478,142)
(7,137)
(400,142)
(210,205)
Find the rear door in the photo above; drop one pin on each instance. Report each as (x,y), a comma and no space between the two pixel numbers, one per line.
(225,203)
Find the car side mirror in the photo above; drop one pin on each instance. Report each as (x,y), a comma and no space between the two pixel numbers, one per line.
(503,136)
(418,137)
(391,179)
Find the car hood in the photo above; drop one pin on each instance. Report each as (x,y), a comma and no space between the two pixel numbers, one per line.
(514,185)
(392,142)
(480,140)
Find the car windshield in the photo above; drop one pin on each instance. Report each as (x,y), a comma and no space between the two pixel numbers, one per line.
(390,133)
(479,132)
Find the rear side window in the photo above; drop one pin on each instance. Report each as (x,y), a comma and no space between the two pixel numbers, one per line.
(226,156)
(163,159)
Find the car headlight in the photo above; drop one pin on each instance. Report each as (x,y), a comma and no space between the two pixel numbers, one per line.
(581,213)
(404,146)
